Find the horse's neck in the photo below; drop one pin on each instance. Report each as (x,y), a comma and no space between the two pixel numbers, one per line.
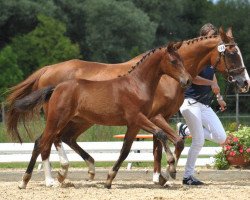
(197,54)
(126,64)
(148,71)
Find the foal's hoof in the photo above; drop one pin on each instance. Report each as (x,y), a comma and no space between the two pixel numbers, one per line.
(51,183)
(173,175)
(162,180)
(91,176)
(22,185)
(60,177)
(108,186)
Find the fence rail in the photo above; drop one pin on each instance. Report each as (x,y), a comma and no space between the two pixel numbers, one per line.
(141,151)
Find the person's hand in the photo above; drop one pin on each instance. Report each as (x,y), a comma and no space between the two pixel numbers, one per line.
(215,88)
(223,105)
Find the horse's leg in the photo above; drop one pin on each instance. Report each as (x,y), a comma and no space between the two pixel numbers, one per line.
(127,143)
(48,177)
(158,178)
(64,162)
(138,122)
(177,141)
(45,152)
(58,117)
(31,165)
(69,136)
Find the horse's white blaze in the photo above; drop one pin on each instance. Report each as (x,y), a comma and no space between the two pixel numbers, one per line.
(242,63)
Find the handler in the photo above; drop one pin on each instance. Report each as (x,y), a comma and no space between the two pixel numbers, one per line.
(201,120)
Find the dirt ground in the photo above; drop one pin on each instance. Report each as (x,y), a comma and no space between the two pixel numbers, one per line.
(128,185)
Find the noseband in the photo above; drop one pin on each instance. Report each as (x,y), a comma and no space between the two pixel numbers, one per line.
(221,49)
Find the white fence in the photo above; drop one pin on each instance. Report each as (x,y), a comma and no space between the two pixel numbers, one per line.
(101,151)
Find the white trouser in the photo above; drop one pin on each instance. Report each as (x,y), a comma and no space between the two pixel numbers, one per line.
(203,124)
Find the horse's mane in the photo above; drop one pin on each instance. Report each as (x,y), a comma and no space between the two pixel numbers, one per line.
(146,55)
(194,40)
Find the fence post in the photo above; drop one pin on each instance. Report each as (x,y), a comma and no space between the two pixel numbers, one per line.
(237,111)
(3,113)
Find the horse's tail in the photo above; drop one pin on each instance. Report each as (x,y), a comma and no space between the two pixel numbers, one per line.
(23,109)
(23,89)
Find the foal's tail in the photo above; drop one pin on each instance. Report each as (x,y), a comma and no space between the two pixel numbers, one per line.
(24,108)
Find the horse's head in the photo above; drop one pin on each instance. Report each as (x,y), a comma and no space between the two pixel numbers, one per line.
(172,65)
(230,62)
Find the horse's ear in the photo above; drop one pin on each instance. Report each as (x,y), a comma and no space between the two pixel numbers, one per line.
(173,46)
(170,47)
(229,32)
(177,45)
(223,35)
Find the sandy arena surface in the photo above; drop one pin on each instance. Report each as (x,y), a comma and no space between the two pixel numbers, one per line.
(128,185)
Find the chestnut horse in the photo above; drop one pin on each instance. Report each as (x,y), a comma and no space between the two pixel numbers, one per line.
(122,101)
(166,102)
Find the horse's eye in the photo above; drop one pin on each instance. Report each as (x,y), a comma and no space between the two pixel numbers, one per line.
(174,62)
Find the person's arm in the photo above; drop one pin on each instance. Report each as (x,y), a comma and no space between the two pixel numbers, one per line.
(215,88)
(198,80)
(219,97)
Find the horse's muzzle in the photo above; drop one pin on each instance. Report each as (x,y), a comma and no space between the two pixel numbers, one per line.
(185,83)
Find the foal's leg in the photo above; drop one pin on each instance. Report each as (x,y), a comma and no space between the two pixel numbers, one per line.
(127,143)
(177,141)
(49,181)
(158,178)
(138,122)
(29,170)
(64,162)
(69,135)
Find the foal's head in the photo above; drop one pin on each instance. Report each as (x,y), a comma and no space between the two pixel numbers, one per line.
(230,61)
(172,65)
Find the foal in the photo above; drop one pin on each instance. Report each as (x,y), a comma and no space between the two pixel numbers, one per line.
(122,101)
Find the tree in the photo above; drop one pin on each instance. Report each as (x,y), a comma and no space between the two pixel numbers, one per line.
(115,29)
(165,15)
(45,45)
(20,17)
(10,73)
(71,12)
(176,19)
(235,14)
(17,17)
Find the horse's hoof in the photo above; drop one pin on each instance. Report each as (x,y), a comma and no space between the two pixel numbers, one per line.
(60,177)
(108,186)
(173,175)
(51,183)
(22,185)
(162,180)
(91,177)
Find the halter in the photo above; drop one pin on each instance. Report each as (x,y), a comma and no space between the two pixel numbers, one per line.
(221,49)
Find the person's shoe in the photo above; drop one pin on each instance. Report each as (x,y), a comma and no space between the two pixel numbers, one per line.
(181,130)
(191,181)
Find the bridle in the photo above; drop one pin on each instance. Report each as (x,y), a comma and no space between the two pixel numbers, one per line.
(230,77)
(222,54)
